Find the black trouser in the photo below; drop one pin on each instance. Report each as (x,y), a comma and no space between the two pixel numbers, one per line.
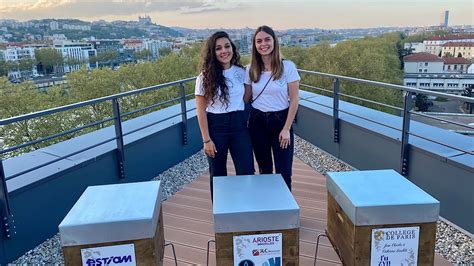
(265,128)
(229,132)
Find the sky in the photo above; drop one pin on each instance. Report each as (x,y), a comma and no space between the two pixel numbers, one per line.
(325,14)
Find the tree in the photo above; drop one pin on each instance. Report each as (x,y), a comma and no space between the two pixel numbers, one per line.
(17,99)
(164,51)
(422,103)
(414,38)
(420,37)
(245,59)
(25,66)
(3,68)
(105,58)
(85,86)
(143,54)
(369,58)
(49,59)
(73,63)
(12,66)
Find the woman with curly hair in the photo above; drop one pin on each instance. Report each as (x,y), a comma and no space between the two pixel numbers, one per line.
(220,107)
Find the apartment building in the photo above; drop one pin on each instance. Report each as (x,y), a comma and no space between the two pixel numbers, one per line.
(75,54)
(434,45)
(458,49)
(428,71)
(133,44)
(17,54)
(154,46)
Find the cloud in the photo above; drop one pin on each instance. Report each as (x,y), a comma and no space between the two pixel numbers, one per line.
(93,9)
(211,6)
(38,5)
(200,10)
(240,13)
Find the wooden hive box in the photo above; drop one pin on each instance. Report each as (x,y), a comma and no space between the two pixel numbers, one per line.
(115,223)
(253,215)
(380,218)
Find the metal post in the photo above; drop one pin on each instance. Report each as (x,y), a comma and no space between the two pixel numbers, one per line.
(9,229)
(174,252)
(405,133)
(208,250)
(184,115)
(317,247)
(119,137)
(470,106)
(335,110)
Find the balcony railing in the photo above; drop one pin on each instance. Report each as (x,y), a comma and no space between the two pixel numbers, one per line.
(406,111)
(408,95)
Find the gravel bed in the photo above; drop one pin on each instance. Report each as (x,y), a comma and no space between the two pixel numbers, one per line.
(318,159)
(452,244)
(183,173)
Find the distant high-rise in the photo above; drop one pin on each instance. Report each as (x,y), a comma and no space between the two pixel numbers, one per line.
(444,18)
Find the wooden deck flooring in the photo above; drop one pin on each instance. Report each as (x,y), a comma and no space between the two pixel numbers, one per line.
(188,220)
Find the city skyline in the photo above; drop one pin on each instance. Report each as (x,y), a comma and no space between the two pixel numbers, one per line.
(200,14)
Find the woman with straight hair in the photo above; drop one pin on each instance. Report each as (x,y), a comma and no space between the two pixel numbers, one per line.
(220,107)
(272,86)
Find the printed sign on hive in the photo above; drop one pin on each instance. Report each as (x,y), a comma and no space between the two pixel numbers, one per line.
(258,250)
(123,255)
(395,246)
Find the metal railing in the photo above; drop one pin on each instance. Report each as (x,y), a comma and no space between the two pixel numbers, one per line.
(406,111)
(8,221)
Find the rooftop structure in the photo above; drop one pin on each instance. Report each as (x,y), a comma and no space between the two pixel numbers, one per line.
(422,57)
(452,37)
(456,60)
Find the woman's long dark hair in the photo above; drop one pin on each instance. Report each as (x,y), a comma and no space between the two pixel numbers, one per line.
(212,71)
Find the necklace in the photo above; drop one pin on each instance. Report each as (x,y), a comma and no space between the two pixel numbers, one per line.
(266,68)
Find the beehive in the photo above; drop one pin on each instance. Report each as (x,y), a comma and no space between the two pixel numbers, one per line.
(254,205)
(362,204)
(122,218)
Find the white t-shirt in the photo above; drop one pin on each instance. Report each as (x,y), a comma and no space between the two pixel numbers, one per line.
(235,82)
(275,97)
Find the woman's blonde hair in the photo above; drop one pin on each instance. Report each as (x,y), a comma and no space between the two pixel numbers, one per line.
(256,64)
